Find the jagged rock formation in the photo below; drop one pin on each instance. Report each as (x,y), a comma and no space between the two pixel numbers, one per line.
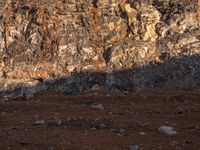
(155,42)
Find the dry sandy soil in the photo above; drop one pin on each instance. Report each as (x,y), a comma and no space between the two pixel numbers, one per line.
(101,121)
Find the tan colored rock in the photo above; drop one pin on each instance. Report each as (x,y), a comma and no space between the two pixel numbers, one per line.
(54,39)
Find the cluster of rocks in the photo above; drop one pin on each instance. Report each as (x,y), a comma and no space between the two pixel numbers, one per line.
(75,123)
(118,44)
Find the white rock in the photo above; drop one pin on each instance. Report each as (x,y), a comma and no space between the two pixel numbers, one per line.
(39,122)
(167,130)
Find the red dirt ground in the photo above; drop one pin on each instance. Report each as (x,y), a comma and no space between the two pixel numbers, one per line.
(51,121)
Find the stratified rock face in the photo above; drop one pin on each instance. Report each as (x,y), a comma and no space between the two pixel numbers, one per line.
(133,43)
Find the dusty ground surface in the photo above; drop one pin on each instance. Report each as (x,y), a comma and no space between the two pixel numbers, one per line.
(101,121)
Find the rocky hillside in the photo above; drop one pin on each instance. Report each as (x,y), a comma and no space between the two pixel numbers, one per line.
(79,45)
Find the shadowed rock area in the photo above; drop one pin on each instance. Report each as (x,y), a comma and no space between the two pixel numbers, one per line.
(178,72)
(76,45)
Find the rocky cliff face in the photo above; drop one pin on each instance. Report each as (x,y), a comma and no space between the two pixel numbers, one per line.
(118,44)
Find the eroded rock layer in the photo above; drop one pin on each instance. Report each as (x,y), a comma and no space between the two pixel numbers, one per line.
(117,44)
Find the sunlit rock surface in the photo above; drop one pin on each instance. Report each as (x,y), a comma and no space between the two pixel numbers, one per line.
(118,44)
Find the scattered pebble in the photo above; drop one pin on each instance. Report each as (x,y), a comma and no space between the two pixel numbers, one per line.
(54,122)
(142,133)
(167,130)
(133,147)
(85,133)
(142,124)
(39,122)
(97,106)
(110,113)
(93,104)
(102,126)
(5,98)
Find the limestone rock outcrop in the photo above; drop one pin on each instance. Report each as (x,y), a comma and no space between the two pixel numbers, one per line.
(118,44)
